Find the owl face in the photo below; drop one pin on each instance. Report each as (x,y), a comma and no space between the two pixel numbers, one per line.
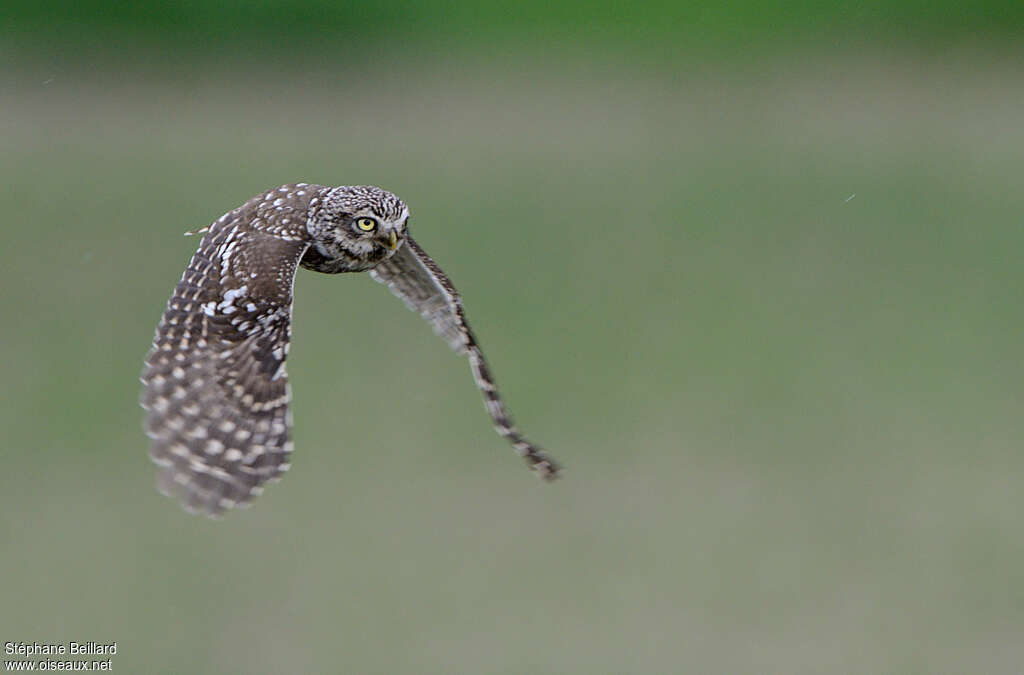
(354,228)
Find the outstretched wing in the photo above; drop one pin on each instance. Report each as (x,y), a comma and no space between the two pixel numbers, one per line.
(215,386)
(415,278)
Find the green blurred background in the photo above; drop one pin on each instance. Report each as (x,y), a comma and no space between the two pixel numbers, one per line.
(751,271)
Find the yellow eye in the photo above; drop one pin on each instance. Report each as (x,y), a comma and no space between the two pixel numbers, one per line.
(366,224)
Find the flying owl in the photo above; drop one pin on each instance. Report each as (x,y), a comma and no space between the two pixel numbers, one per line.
(215,387)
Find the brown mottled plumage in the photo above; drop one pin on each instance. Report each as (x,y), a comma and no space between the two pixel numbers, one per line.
(215,385)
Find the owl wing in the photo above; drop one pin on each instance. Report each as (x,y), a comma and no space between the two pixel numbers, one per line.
(215,386)
(414,277)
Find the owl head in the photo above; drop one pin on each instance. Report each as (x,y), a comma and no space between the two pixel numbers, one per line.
(354,228)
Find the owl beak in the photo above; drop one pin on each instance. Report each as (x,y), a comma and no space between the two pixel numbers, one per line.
(392,241)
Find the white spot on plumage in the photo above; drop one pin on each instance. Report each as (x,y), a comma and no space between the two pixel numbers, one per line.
(223,475)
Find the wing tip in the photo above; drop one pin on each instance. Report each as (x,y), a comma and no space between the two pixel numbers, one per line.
(547,470)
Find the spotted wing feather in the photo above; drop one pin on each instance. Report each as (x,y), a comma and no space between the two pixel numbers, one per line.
(215,386)
(414,277)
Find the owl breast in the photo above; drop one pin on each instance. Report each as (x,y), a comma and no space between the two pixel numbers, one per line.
(332,259)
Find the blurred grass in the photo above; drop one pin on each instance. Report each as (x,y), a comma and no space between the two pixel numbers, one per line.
(358,24)
(768,316)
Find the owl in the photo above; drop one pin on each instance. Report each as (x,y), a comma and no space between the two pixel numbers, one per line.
(215,385)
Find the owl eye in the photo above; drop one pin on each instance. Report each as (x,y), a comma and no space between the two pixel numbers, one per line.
(366,224)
